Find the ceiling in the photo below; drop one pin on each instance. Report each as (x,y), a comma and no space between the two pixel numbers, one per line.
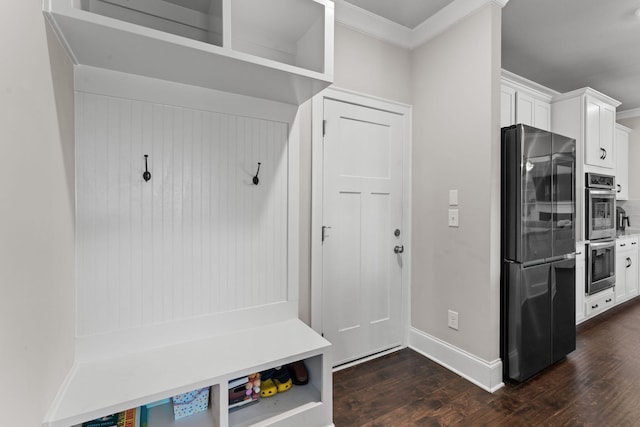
(561,44)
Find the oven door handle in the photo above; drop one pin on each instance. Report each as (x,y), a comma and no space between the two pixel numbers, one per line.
(601,192)
(602,245)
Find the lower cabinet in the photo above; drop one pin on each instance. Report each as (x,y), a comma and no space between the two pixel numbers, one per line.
(627,279)
(626,268)
(599,302)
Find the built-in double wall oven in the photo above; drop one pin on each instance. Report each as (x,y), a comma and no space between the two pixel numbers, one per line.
(600,209)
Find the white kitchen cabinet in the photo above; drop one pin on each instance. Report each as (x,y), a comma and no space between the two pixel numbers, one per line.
(622,162)
(531,111)
(600,133)
(507,106)
(280,50)
(626,269)
(523,101)
(597,303)
(580,282)
(588,116)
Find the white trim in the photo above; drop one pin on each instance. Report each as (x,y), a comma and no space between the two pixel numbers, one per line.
(519,82)
(590,92)
(387,30)
(101,81)
(446,18)
(628,114)
(371,24)
(487,375)
(369,358)
(356,98)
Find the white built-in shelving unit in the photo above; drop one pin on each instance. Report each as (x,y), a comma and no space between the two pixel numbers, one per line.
(277,49)
(189,280)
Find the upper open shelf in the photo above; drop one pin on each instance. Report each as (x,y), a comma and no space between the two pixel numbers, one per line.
(278,49)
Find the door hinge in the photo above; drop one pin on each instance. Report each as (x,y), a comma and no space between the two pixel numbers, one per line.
(324,127)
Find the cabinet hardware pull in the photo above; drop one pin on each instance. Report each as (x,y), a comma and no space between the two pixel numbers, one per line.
(629,263)
(398,249)
(609,300)
(619,188)
(623,244)
(602,153)
(594,306)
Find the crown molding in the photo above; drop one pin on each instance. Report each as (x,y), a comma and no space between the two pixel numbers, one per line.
(371,24)
(384,29)
(518,81)
(628,114)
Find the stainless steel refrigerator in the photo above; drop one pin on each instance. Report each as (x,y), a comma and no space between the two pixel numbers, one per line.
(538,328)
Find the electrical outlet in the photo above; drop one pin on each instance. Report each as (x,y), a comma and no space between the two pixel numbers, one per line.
(453,319)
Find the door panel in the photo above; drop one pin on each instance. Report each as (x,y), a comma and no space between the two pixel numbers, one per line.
(362,203)
(528,346)
(564,214)
(563,295)
(536,194)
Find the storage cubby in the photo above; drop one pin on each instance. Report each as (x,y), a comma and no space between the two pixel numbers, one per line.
(201,20)
(106,386)
(162,415)
(280,50)
(290,401)
(286,31)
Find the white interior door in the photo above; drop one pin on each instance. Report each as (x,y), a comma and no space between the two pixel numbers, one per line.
(362,209)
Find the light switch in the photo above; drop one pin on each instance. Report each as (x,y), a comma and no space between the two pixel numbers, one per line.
(453,217)
(453,197)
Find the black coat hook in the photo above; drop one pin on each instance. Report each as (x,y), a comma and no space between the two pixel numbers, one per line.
(256,180)
(146,175)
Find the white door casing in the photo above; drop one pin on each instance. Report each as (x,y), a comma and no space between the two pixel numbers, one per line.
(360,287)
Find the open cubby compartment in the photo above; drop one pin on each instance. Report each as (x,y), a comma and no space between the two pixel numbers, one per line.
(162,415)
(194,19)
(286,31)
(297,406)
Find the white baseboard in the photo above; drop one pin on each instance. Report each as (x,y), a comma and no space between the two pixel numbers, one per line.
(487,375)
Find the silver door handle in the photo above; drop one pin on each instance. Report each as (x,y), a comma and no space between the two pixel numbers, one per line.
(399,249)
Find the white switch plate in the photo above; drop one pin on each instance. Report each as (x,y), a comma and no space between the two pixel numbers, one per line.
(453,197)
(452,319)
(453,218)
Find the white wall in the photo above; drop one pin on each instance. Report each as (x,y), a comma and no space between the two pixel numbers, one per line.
(456,79)
(362,64)
(199,238)
(371,66)
(36,215)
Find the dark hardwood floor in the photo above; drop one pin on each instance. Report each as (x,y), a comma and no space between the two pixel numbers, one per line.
(596,385)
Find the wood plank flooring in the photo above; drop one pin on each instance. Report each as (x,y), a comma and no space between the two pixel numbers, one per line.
(596,385)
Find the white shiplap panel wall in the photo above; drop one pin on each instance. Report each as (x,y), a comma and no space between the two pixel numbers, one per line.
(199,238)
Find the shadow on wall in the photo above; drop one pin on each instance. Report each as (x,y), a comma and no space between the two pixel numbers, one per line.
(62,78)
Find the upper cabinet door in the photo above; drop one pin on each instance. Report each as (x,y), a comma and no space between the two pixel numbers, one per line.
(622,162)
(600,133)
(507,106)
(525,109)
(532,111)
